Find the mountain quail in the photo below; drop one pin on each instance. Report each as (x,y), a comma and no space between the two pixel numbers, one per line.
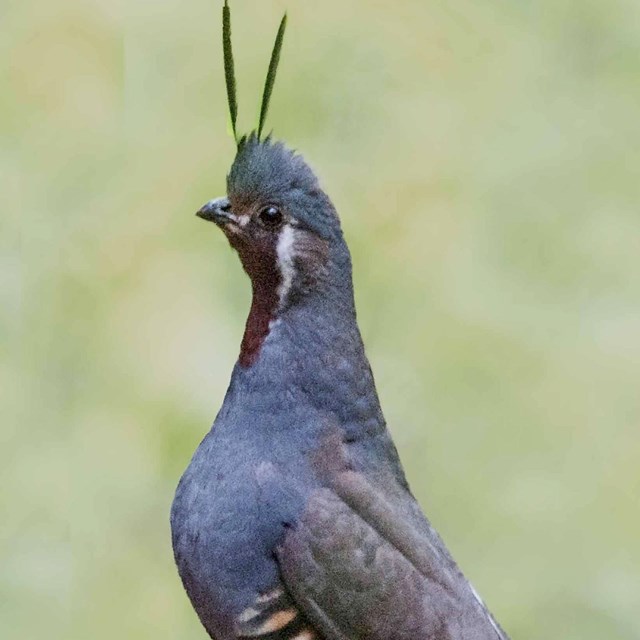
(294,519)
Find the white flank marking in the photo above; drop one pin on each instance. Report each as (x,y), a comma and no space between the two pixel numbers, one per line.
(286,253)
(248,614)
(476,595)
(272,595)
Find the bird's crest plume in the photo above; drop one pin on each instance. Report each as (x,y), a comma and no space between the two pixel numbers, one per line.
(230,78)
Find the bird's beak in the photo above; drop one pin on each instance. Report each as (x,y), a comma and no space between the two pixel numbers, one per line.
(218,211)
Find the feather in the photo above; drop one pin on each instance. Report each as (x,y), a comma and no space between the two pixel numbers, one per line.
(229,73)
(271,74)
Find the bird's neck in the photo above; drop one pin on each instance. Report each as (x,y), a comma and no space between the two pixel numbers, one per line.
(265,302)
(308,352)
(306,295)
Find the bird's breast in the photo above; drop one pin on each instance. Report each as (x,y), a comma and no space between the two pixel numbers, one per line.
(227,518)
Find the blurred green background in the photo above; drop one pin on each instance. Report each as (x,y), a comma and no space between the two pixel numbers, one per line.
(485,158)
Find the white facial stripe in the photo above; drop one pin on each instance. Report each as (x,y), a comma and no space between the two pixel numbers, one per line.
(243,220)
(286,252)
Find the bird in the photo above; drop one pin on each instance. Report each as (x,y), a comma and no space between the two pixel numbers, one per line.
(294,519)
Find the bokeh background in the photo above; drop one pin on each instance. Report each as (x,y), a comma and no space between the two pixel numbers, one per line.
(485,158)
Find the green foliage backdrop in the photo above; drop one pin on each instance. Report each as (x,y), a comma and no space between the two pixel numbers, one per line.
(485,160)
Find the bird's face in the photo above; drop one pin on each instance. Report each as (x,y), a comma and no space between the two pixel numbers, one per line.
(254,230)
(278,220)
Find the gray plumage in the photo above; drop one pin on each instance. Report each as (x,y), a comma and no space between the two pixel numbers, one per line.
(294,518)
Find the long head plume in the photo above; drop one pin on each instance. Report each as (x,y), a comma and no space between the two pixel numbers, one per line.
(230,77)
(229,71)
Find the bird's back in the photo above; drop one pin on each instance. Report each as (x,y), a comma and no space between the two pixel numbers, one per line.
(269,492)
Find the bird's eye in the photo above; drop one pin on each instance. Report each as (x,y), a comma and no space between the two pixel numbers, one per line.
(271,217)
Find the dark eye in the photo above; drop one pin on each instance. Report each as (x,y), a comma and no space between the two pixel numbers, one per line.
(271,217)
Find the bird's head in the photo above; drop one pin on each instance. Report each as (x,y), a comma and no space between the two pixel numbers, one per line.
(278,219)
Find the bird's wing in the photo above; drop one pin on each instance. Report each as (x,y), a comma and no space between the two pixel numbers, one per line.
(358,568)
